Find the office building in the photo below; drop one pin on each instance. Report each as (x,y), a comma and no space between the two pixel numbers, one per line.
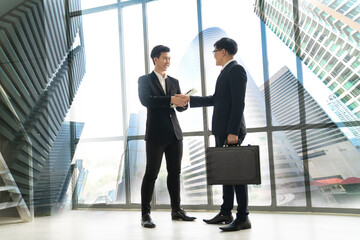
(41,70)
(327,43)
(331,155)
(72,126)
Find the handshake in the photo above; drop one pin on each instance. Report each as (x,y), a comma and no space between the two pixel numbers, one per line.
(180,100)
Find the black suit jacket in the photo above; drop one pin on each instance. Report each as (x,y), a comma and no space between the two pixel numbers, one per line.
(228,101)
(162,123)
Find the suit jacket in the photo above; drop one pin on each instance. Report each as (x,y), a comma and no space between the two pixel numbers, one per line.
(228,101)
(161,123)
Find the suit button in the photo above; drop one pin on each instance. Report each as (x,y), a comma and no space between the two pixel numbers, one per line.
(170,115)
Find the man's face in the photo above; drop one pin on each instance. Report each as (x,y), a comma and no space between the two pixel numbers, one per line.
(219,55)
(163,62)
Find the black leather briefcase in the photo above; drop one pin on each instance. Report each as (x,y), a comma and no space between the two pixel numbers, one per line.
(233,165)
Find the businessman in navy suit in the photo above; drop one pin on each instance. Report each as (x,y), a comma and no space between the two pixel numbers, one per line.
(228,124)
(163,134)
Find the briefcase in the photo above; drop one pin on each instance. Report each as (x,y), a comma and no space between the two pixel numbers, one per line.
(233,165)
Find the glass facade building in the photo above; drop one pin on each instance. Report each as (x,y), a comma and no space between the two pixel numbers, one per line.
(72,125)
(327,43)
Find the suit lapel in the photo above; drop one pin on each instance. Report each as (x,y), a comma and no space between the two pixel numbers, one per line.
(167,85)
(156,82)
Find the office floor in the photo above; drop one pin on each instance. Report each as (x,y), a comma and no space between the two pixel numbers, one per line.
(91,225)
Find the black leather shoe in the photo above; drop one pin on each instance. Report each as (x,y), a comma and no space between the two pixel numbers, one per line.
(219,218)
(237,225)
(181,215)
(146,221)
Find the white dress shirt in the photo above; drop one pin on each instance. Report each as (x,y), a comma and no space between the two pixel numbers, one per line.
(161,80)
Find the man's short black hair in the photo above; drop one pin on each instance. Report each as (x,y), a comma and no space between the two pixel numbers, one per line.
(157,50)
(228,44)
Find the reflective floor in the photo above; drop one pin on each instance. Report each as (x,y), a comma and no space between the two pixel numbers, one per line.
(91,225)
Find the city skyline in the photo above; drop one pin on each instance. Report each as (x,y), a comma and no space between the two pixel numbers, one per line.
(328,44)
(329,152)
(190,77)
(290,179)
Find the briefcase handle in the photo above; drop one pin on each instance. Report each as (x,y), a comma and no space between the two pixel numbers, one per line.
(232,145)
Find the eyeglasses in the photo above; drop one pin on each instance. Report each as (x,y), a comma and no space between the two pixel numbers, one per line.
(216,51)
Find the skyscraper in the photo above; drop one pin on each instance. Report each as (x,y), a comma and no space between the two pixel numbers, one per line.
(194,174)
(329,36)
(330,154)
(338,108)
(41,68)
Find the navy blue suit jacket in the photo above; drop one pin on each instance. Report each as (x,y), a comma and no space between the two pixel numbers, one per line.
(228,101)
(161,123)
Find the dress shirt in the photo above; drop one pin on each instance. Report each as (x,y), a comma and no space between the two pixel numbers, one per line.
(161,80)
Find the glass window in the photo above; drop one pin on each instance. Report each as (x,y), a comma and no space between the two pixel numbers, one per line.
(215,26)
(340,52)
(98,105)
(334,167)
(353,105)
(283,87)
(85,4)
(137,161)
(349,30)
(166,28)
(101,162)
(356,63)
(332,153)
(356,91)
(339,92)
(353,13)
(333,86)
(193,176)
(134,64)
(315,97)
(358,114)
(193,172)
(335,4)
(289,169)
(346,99)
(283,81)
(98,100)
(260,195)
(316,70)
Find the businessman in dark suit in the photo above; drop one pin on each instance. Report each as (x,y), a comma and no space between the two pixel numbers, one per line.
(163,134)
(228,124)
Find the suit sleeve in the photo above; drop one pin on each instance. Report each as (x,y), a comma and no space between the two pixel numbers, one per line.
(196,101)
(237,86)
(147,99)
(178,91)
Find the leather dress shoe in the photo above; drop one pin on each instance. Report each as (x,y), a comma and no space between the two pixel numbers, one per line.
(181,215)
(146,221)
(219,218)
(237,225)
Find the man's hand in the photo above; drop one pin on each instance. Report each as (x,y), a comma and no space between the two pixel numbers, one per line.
(178,101)
(232,139)
(185,97)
